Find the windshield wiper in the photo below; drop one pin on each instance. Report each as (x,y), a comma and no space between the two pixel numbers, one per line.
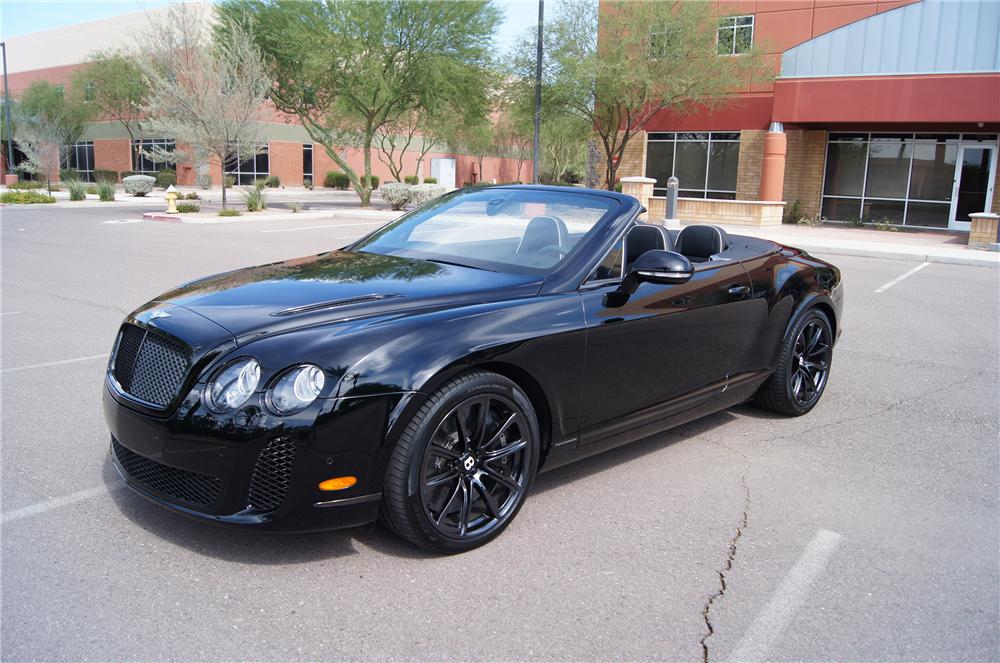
(456,264)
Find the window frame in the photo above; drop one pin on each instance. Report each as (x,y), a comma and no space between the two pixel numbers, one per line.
(87,146)
(694,137)
(139,144)
(240,174)
(732,24)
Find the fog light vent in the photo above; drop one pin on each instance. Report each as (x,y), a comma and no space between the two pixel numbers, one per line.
(272,474)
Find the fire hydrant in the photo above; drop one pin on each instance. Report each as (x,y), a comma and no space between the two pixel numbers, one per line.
(171,197)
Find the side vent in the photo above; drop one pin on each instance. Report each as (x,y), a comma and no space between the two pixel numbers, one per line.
(272,474)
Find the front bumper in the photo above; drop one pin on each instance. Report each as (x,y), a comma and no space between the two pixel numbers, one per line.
(256,471)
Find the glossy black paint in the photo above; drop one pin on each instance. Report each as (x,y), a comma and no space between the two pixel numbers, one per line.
(387,331)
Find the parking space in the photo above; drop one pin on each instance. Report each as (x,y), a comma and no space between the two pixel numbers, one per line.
(866,530)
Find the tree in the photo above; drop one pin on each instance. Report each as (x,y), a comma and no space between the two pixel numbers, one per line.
(206,91)
(649,58)
(39,139)
(114,83)
(51,112)
(350,69)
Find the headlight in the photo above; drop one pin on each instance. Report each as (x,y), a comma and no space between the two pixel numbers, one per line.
(234,385)
(296,389)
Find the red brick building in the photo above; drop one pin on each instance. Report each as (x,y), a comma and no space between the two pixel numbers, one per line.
(880,110)
(55,55)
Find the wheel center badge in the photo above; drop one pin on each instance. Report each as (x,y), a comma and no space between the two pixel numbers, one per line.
(469,463)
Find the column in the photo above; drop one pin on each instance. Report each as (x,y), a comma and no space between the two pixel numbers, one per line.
(772,173)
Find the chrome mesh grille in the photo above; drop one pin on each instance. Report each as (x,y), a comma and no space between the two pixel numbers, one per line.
(272,474)
(149,366)
(181,485)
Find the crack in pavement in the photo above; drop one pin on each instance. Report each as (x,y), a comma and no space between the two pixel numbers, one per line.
(65,297)
(730,559)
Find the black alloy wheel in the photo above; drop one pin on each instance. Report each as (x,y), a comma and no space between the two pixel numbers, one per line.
(803,367)
(461,470)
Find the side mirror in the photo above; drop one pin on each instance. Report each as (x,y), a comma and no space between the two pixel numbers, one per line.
(655,266)
(661,267)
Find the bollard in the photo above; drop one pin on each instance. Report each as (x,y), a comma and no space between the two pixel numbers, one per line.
(673,184)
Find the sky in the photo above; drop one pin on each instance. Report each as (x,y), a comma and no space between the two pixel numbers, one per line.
(18,17)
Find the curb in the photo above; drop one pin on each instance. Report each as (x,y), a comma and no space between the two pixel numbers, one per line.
(987,260)
(157,216)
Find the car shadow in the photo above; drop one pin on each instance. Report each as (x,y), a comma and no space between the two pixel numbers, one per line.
(263,548)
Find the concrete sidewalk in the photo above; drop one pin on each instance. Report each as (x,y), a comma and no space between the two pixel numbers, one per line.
(915,246)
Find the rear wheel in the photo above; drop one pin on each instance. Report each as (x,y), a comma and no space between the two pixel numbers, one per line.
(460,471)
(803,367)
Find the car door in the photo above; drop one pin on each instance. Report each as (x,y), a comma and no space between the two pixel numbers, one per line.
(668,349)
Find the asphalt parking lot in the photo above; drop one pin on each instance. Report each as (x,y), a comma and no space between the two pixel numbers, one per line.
(867,530)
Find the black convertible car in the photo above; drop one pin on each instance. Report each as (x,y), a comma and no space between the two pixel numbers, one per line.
(425,373)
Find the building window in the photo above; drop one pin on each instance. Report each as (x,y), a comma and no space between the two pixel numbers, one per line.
(705,164)
(81,159)
(145,164)
(660,43)
(735,35)
(89,91)
(905,179)
(246,165)
(307,161)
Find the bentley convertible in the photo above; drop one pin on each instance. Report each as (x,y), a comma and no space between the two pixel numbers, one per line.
(424,374)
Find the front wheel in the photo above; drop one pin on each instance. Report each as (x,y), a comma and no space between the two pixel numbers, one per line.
(462,467)
(803,368)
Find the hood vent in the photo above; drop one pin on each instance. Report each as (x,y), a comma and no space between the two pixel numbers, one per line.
(336,303)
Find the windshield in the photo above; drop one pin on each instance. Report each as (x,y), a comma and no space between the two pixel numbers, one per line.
(520,231)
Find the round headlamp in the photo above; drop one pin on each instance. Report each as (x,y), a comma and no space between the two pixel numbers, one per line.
(234,385)
(296,389)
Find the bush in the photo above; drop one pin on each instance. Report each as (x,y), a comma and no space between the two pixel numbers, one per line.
(106,192)
(101,175)
(430,180)
(92,190)
(295,207)
(254,197)
(69,175)
(77,191)
(618,187)
(185,208)
(25,185)
(165,178)
(374,181)
(307,182)
(396,194)
(192,196)
(410,179)
(25,197)
(336,180)
(138,185)
(855,222)
(229,211)
(466,185)
(272,182)
(792,213)
(422,193)
(203,180)
(230,181)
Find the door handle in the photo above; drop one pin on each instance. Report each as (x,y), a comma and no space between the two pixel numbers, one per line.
(739,290)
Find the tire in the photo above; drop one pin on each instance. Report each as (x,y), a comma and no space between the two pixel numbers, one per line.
(462,467)
(803,367)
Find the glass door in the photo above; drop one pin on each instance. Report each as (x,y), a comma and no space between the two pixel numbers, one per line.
(973,183)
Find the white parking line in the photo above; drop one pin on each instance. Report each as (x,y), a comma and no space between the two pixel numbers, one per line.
(54,503)
(785,601)
(52,363)
(10,313)
(900,278)
(334,225)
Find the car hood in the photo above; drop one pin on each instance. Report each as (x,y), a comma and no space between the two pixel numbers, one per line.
(337,286)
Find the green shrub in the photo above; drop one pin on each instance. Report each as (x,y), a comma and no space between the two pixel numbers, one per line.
(106,192)
(138,185)
(374,181)
(396,194)
(792,213)
(69,175)
(101,175)
(77,191)
(254,197)
(295,207)
(411,179)
(307,182)
(336,180)
(229,211)
(192,196)
(885,224)
(618,187)
(230,181)
(25,197)
(430,180)
(855,222)
(186,208)
(92,189)
(272,182)
(25,185)
(165,178)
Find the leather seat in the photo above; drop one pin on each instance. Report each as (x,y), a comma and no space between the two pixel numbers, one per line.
(698,243)
(542,231)
(645,237)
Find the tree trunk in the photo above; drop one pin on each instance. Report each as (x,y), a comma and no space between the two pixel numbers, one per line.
(223,191)
(366,182)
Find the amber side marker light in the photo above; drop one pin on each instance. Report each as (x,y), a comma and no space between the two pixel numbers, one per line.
(338,483)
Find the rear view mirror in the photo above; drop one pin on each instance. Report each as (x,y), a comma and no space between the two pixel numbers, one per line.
(661,267)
